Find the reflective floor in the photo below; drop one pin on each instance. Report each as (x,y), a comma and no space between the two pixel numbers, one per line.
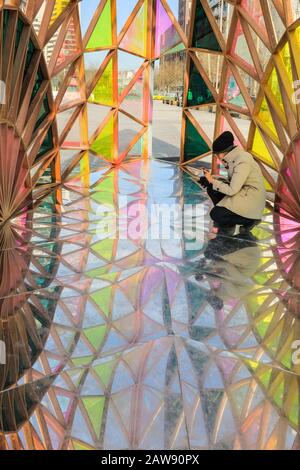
(128,342)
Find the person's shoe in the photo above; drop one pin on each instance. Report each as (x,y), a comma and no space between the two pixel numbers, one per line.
(246,229)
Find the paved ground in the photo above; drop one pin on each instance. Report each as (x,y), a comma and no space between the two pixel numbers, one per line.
(155,335)
(167,128)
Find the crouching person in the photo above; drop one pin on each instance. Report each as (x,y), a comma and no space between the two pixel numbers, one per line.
(241,199)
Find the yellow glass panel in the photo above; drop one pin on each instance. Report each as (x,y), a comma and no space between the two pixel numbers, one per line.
(103,145)
(103,91)
(265,115)
(59,7)
(268,186)
(274,86)
(261,150)
(285,54)
(297,31)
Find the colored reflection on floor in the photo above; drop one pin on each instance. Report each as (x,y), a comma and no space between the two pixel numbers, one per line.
(131,343)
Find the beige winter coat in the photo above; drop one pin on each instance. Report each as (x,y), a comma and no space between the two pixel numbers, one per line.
(245,193)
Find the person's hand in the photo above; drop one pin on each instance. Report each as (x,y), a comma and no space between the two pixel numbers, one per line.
(204,182)
(208,176)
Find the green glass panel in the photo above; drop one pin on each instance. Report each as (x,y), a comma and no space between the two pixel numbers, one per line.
(38,82)
(18,34)
(5,24)
(198,92)
(30,52)
(279,394)
(104,248)
(103,91)
(103,144)
(103,298)
(80,446)
(105,371)
(47,144)
(95,335)
(203,36)
(102,34)
(44,111)
(195,145)
(94,407)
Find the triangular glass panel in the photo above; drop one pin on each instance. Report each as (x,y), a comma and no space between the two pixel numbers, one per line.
(128,65)
(94,407)
(59,7)
(198,92)
(133,101)
(195,145)
(103,92)
(66,158)
(92,62)
(262,51)
(260,149)
(103,144)
(137,149)
(128,129)
(206,119)
(135,39)
(101,37)
(166,35)
(273,85)
(232,93)
(240,47)
(242,123)
(213,65)
(124,10)
(73,138)
(266,117)
(278,25)
(74,91)
(203,34)
(179,49)
(38,18)
(253,8)
(96,115)
(71,44)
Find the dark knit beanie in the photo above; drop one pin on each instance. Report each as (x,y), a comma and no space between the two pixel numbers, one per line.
(224,143)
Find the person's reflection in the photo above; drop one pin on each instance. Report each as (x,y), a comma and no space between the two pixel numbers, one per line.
(231,264)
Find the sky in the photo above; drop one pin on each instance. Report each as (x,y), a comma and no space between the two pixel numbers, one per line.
(124,8)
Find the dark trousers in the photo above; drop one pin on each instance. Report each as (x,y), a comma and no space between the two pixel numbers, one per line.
(224,217)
